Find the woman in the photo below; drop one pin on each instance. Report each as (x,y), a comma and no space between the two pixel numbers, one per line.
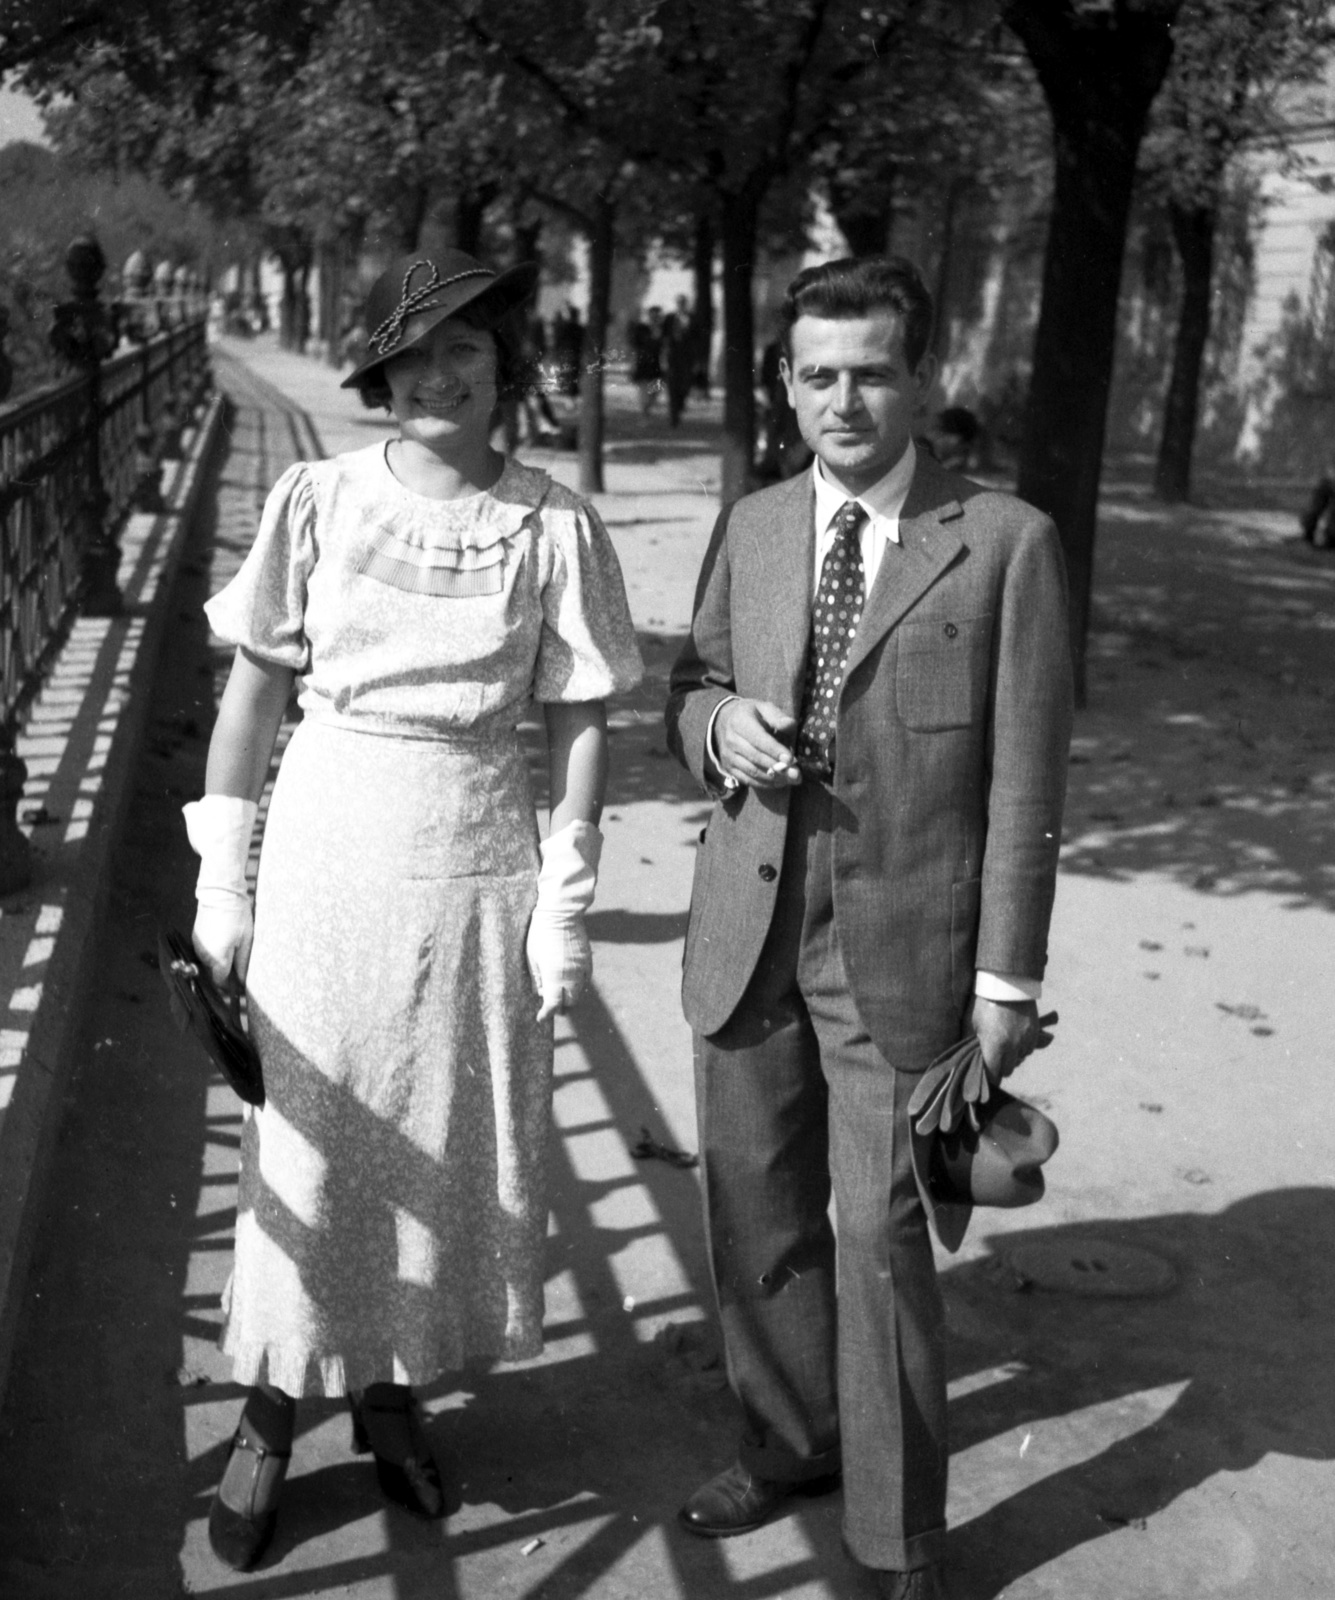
(391,1210)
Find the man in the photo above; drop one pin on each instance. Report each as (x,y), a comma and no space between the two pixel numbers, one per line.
(876,690)
(678,357)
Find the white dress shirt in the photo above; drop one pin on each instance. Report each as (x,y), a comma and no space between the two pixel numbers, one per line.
(883,503)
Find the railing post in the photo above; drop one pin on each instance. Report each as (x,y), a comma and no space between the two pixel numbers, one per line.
(162,293)
(138,324)
(181,289)
(15,851)
(6,365)
(83,334)
(136,298)
(170,418)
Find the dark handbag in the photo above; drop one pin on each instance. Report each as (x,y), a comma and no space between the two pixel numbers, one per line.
(199,1008)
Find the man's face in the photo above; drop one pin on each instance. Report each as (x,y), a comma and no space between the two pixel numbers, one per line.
(854,393)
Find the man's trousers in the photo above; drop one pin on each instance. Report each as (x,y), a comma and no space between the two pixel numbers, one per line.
(794,1097)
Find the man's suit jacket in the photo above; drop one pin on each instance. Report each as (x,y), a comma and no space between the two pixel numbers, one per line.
(951,748)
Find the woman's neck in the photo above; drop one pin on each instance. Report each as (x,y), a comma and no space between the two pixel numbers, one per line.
(440,478)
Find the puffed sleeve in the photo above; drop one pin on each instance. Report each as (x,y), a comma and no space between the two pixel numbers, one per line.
(587,650)
(264,606)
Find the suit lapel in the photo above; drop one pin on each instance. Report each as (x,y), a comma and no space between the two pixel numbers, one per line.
(785,550)
(927,546)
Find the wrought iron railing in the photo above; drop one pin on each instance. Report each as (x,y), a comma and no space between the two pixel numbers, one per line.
(76,457)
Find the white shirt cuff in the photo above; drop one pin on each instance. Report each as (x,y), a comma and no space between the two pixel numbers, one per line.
(1005,986)
(711,749)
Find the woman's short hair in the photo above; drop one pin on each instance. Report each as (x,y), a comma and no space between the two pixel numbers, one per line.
(514,371)
(856,286)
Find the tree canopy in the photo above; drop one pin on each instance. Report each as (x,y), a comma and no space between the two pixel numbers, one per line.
(46,202)
(1240,68)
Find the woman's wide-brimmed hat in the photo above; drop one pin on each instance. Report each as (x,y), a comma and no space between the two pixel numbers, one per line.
(973,1143)
(425,289)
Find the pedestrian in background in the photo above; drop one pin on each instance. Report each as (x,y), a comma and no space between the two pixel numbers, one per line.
(678,358)
(645,335)
(888,762)
(784,452)
(699,337)
(568,349)
(1318,519)
(411,940)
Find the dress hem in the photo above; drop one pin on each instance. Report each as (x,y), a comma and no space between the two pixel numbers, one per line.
(302,1373)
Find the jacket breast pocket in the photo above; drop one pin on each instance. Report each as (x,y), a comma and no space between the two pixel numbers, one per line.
(941,672)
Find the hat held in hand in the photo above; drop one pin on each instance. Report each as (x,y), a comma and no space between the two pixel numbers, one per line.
(973,1143)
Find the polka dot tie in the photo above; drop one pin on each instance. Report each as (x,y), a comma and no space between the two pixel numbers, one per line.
(834,624)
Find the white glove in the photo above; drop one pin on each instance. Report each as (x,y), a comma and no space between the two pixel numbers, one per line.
(219,828)
(559,956)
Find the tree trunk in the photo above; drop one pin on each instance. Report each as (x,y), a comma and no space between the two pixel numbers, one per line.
(331,302)
(702,267)
(1193,234)
(303,329)
(412,212)
(287,313)
(527,241)
(601,232)
(1099,77)
(740,214)
(944,264)
(470,211)
(259,303)
(863,216)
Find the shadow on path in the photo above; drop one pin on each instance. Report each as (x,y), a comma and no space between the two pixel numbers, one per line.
(1242,1344)
(1207,753)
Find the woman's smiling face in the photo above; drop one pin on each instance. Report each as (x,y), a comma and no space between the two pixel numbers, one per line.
(443,390)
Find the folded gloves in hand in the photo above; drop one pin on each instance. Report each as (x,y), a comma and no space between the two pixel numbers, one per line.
(953,1088)
(219,828)
(559,956)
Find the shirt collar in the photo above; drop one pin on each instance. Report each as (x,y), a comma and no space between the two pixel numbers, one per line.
(885,499)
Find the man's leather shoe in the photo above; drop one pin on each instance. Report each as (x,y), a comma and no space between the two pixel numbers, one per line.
(923,1583)
(737,1501)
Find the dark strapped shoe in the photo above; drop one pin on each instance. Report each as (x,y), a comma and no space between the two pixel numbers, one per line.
(737,1501)
(240,1538)
(410,1478)
(923,1583)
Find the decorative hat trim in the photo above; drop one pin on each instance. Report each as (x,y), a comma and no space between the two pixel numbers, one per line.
(411,301)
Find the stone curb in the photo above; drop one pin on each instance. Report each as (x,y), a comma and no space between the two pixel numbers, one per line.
(81,744)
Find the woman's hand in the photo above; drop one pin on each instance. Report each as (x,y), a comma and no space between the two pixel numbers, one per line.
(221,823)
(222,937)
(219,828)
(560,957)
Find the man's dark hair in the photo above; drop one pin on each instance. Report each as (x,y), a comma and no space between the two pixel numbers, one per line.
(856,286)
(514,375)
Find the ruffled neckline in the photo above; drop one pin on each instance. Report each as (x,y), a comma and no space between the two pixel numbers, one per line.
(473,522)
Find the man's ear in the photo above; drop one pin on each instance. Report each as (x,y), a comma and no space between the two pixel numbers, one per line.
(786,373)
(925,376)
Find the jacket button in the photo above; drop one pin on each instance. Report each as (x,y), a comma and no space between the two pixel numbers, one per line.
(950,630)
(767,872)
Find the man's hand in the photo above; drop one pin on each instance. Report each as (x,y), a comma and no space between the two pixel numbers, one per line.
(748,736)
(1008,1031)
